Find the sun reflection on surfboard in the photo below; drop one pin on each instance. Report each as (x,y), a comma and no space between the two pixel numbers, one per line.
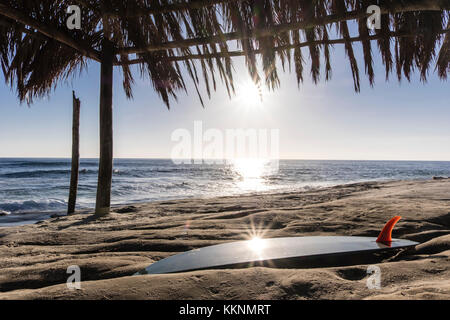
(257,244)
(256,240)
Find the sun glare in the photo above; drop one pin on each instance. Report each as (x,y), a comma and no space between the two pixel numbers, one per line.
(250,95)
(249,168)
(251,172)
(257,244)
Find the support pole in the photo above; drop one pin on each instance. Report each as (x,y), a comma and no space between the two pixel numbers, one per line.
(75,154)
(103,201)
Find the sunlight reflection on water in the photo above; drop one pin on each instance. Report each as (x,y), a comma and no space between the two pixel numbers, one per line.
(253,173)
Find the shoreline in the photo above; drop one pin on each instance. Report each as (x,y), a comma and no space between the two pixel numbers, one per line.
(17,221)
(34,258)
(25,218)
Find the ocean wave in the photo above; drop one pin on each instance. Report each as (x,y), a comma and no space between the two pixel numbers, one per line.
(32,206)
(182,185)
(152,172)
(42,173)
(33,163)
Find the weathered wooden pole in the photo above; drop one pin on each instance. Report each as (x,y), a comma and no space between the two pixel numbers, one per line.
(103,201)
(75,154)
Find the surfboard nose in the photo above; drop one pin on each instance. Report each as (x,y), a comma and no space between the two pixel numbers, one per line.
(385,235)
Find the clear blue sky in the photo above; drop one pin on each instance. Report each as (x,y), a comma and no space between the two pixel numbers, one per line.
(407,121)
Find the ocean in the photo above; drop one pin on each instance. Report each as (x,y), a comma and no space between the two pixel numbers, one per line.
(33,189)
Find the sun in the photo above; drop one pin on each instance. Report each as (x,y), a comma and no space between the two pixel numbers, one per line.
(250,95)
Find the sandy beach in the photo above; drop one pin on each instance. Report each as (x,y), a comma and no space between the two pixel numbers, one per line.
(34,258)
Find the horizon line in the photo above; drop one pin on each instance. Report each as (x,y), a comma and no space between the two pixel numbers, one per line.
(193,159)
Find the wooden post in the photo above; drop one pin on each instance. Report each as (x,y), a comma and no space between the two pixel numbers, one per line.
(103,201)
(75,154)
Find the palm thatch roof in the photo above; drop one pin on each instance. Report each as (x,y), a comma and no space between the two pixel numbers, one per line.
(163,36)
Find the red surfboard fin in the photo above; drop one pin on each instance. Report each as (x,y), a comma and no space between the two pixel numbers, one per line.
(385,235)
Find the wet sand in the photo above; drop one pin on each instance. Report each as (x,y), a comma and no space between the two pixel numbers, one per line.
(34,258)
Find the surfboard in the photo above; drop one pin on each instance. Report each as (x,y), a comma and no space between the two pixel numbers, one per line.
(277,251)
